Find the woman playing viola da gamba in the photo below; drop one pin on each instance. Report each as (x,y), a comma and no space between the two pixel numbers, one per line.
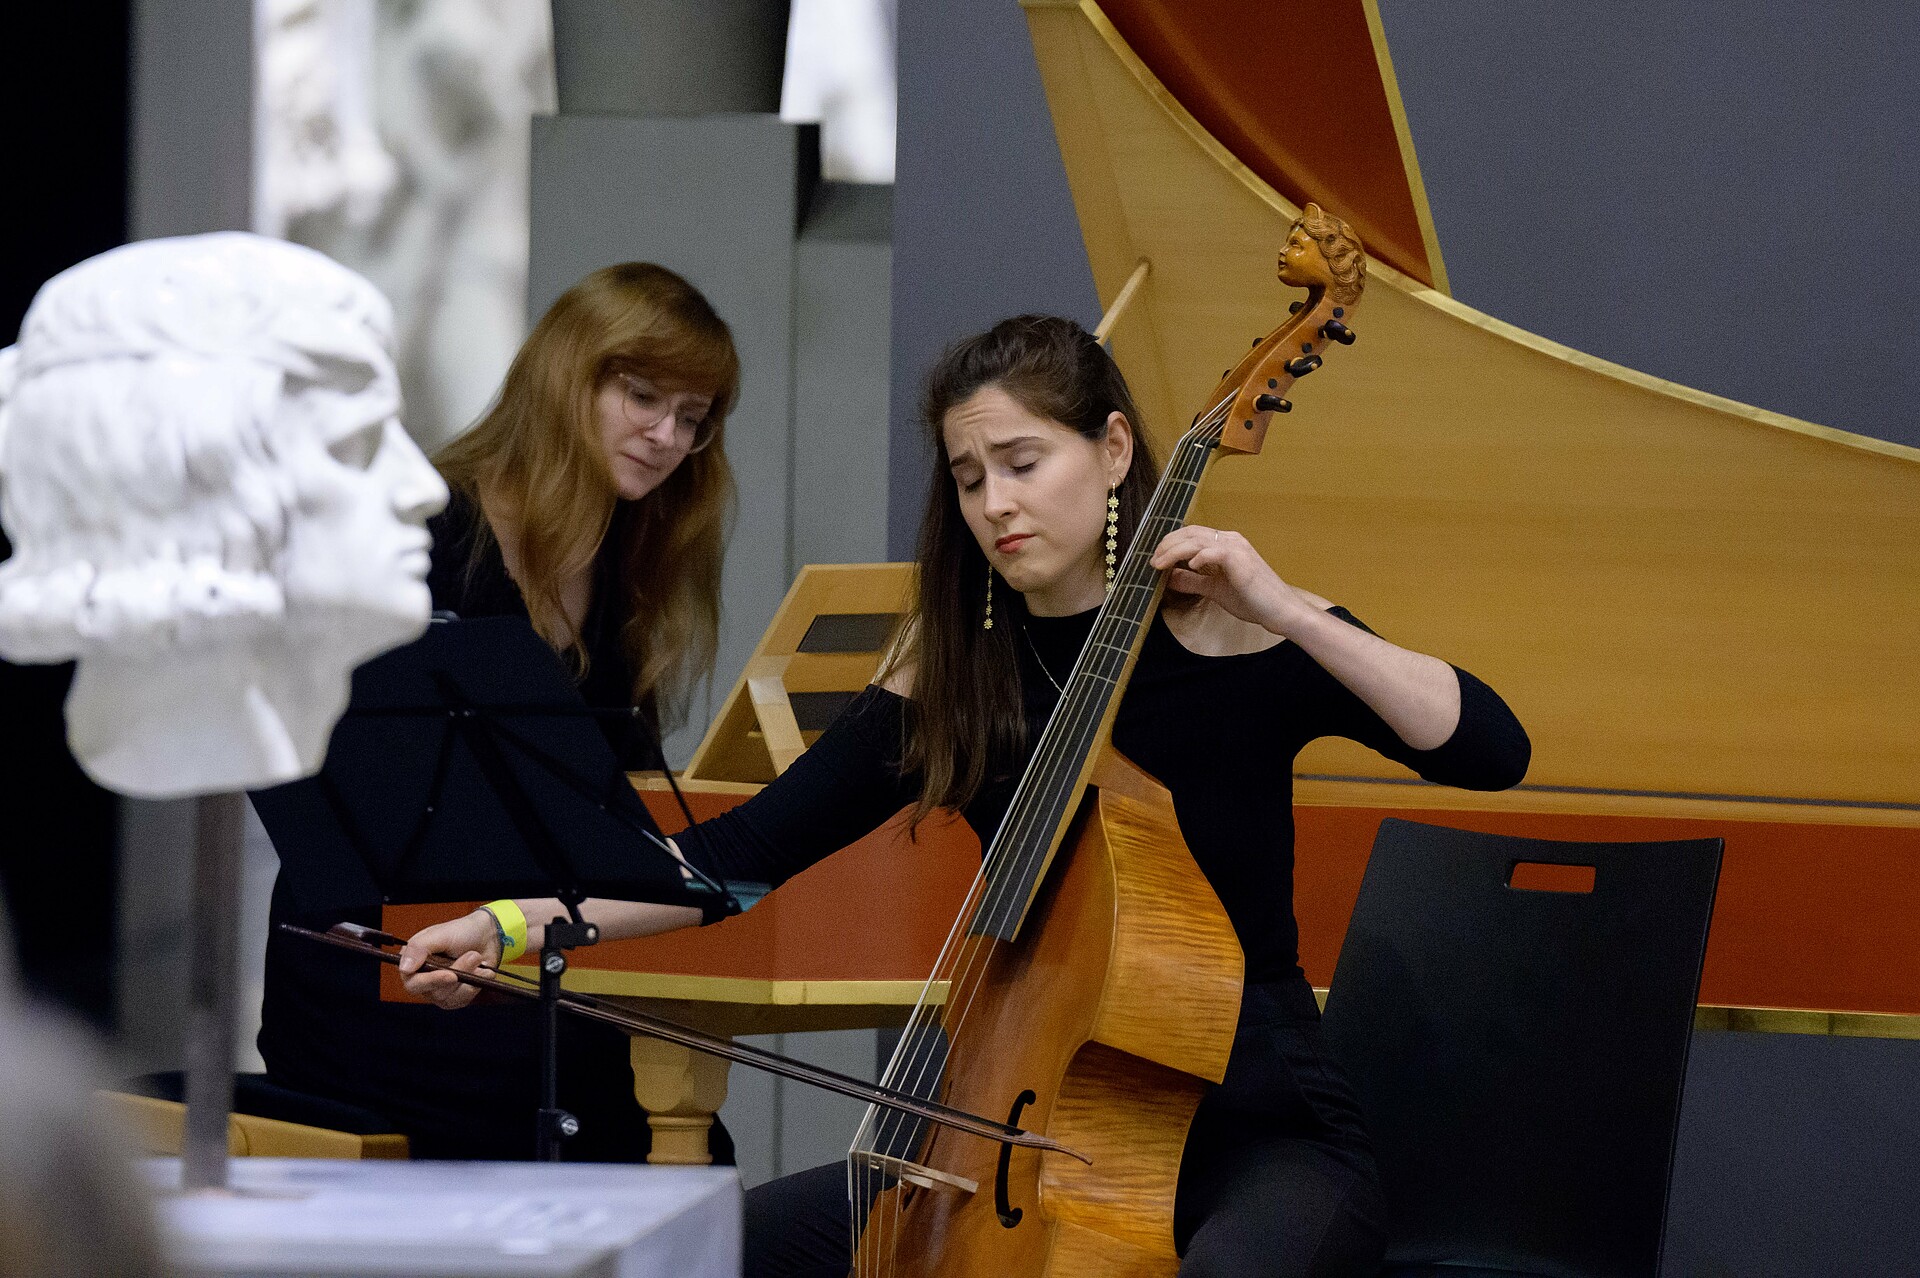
(1034,431)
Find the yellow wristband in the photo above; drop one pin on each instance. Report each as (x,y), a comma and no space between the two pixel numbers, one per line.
(512,925)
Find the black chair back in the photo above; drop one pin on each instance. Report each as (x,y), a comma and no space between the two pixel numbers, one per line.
(1518,1053)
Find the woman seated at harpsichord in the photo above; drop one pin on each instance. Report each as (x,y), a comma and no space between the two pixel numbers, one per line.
(1042,473)
(592,498)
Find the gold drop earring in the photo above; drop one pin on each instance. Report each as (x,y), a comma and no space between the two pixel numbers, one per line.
(988,623)
(1113,531)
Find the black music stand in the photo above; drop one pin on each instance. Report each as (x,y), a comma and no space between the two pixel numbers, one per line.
(467,766)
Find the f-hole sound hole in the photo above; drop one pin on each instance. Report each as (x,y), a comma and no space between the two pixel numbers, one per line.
(1009,1214)
(1544,876)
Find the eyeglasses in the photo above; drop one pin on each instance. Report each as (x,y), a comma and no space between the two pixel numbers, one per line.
(646,405)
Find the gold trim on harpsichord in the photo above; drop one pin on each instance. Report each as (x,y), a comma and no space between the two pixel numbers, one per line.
(1660,386)
(1317,790)
(1783,1020)
(1788,1020)
(736,989)
(1409,158)
(1377,269)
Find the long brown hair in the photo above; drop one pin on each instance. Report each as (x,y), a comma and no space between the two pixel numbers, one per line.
(966,725)
(537,453)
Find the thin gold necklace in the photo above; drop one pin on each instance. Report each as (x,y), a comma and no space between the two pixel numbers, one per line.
(1041,661)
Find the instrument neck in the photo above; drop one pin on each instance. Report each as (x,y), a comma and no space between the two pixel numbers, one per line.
(1049,791)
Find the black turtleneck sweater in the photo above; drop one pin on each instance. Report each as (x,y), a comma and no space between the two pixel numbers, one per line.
(1220,733)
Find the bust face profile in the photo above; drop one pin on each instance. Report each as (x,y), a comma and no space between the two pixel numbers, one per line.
(213,507)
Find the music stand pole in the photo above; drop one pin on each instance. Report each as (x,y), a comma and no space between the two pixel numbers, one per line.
(561,933)
(211,1003)
(556,1124)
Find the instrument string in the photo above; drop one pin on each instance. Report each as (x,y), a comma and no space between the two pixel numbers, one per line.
(897,1141)
(921,1027)
(922,1044)
(1017,852)
(1025,840)
(1077,715)
(1073,718)
(1103,658)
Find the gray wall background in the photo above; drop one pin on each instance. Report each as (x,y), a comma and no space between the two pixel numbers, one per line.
(983,223)
(192,118)
(1720,194)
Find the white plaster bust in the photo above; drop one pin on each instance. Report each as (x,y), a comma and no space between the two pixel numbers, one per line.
(212,505)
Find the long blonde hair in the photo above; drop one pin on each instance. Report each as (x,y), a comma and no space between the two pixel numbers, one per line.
(537,454)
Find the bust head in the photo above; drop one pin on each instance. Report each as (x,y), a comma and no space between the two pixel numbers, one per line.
(212,505)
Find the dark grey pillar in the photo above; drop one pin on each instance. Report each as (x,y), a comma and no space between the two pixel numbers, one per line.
(192,116)
(212,988)
(843,269)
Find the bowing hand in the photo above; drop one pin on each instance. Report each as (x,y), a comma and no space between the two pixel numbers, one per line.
(471,941)
(1224,567)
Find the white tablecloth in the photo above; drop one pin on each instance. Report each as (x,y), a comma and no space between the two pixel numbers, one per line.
(450,1220)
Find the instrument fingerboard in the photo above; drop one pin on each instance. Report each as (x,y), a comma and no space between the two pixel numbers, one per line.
(1049,792)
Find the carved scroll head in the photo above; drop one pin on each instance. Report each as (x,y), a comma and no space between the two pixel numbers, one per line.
(205,481)
(1321,249)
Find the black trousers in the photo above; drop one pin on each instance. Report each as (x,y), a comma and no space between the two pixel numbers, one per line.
(1277,1180)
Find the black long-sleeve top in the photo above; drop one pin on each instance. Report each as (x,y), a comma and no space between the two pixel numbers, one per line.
(1220,733)
(468,576)
(324,1030)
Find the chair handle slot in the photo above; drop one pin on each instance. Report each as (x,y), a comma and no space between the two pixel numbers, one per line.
(1546,876)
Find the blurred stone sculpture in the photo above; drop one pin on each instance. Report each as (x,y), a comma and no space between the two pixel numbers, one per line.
(212,504)
(75,1205)
(320,151)
(396,138)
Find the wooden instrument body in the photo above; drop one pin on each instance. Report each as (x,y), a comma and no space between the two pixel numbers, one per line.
(1115,1005)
